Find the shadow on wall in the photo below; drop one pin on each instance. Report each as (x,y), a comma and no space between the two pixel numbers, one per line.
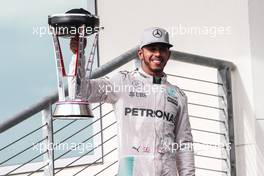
(249,155)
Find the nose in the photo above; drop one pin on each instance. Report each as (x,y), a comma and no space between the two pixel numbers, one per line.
(157,52)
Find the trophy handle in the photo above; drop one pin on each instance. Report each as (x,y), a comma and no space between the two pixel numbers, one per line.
(89,62)
(60,67)
(79,70)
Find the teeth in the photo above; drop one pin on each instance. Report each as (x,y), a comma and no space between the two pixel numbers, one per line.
(157,61)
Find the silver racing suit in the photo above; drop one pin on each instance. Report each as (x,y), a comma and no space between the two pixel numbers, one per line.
(153,126)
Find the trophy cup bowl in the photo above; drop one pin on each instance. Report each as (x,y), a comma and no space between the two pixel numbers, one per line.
(68,25)
(72,110)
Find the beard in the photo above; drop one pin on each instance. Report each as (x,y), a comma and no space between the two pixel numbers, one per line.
(151,68)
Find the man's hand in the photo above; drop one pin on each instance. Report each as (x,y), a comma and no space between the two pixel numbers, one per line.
(74,44)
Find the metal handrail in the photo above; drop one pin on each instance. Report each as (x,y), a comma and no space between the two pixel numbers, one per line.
(194,79)
(45,102)
(106,167)
(213,170)
(70,123)
(201,60)
(206,118)
(107,68)
(32,159)
(19,139)
(88,151)
(97,161)
(24,150)
(87,138)
(78,145)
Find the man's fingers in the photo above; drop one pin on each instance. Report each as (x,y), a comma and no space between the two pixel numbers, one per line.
(74,44)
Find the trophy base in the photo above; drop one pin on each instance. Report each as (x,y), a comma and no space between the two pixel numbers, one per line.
(72,110)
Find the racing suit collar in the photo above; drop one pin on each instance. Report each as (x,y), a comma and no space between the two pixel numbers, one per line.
(149,78)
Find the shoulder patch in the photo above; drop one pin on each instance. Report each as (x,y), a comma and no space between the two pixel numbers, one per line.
(182,93)
(171,91)
(179,91)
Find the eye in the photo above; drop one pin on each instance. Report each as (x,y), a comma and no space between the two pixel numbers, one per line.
(163,49)
(155,48)
(152,48)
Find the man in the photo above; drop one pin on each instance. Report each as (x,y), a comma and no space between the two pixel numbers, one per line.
(154,131)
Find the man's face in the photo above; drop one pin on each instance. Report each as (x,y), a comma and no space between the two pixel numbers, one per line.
(154,58)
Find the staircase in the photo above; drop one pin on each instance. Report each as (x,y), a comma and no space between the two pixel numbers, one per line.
(46,146)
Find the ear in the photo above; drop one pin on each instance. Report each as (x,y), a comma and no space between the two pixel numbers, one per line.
(140,53)
(169,53)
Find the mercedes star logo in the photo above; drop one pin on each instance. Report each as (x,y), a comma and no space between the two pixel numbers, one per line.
(157,33)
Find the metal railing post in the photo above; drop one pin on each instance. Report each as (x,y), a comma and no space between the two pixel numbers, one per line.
(48,157)
(225,78)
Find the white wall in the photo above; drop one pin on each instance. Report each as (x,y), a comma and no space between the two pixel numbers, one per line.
(124,21)
(257,42)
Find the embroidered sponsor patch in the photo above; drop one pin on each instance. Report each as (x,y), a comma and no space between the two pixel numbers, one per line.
(173,101)
(137,94)
(137,84)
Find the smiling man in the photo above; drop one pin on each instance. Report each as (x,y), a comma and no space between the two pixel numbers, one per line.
(153,125)
(154,51)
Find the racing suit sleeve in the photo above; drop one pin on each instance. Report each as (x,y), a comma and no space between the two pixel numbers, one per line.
(184,154)
(101,89)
